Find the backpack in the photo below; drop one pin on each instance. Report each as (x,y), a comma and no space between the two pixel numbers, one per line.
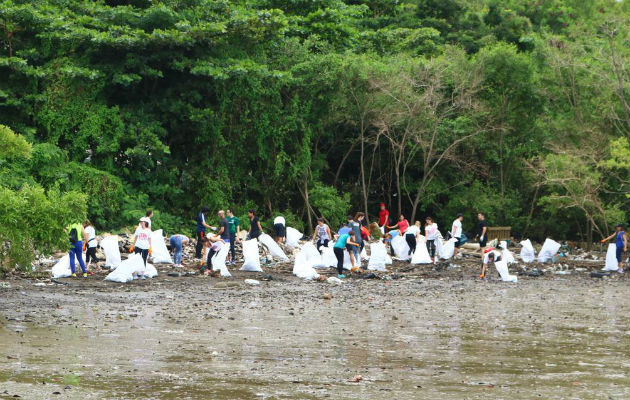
(74,235)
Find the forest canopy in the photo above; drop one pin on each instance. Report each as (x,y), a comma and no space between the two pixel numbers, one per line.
(516,108)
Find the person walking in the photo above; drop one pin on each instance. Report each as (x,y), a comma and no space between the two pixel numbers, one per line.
(431,233)
(91,244)
(322,234)
(177,243)
(345,241)
(621,241)
(411,236)
(201,230)
(255,229)
(280,229)
(235,228)
(482,231)
(456,232)
(77,236)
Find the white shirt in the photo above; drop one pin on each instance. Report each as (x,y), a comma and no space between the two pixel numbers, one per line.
(412,230)
(456,230)
(431,231)
(279,220)
(496,256)
(142,241)
(91,234)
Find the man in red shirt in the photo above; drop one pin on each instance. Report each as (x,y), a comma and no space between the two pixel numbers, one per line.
(383,217)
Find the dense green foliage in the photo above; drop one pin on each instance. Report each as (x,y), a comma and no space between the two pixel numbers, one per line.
(519,108)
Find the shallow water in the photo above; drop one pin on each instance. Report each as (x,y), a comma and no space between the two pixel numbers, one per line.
(559,339)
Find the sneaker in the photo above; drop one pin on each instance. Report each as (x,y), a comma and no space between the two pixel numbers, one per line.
(341,276)
(73,275)
(85,275)
(620,270)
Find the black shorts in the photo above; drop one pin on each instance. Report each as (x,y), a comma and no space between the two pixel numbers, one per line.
(280,230)
(482,243)
(459,243)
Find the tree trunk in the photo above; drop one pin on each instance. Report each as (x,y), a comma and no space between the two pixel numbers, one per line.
(364,189)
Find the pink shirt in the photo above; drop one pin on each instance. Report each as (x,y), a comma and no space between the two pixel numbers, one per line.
(403,225)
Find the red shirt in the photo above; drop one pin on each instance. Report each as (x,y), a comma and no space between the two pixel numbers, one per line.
(403,225)
(382,217)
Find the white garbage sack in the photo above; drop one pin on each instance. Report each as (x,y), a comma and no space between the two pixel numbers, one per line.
(62,268)
(218,261)
(329,259)
(150,271)
(347,263)
(447,249)
(388,259)
(252,258)
(508,257)
(125,271)
(302,268)
(160,254)
(611,258)
(378,257)
(272,246)
(439,248)
(502,267)
(111,250)
(528,254)
(364,254)
(401,248)
(421,255)
(313,257)
(549,249)
(293,237)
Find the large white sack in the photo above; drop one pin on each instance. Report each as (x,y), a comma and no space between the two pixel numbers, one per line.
(508,257)
(378,257)
(125,271)
(159,254)
(421,255)
(150,271)
(364,254)
(388,259)
(252,258)
(272,246)
(528,254)
(347,263)
(438,248)
(329,259)
(111,250)
(293,237)
(611,258)
(549,249)
(302,268)
(501,266)
(401,248)
(313,257)
(448,249)
(62,268)
(218,261)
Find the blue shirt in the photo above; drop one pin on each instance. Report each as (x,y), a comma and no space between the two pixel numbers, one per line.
(345,230)
(619,241)
(342,241)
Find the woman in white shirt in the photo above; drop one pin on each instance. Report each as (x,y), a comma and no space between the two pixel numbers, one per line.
(431,230)
(142,241)
(91,244)
(411,236)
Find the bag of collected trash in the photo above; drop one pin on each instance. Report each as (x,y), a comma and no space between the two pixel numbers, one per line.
(378,255)
(293,237)
(421,255)
(502,267)
(508,257)
(611,258)
(252,258)
(364,254)
(328,256)
(160,254)
(272,246)
(125,271)
(218,261)
(62,268)
(549,249)
(313,258)
(302,268)
(112,253)
(528,254)
(347,263)
(448,249)
(150,271)
(401,248)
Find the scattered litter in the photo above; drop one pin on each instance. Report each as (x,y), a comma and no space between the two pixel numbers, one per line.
(599,274)
(327,296)
(562,272)
(356,379)
(5,285)
(334,280)
(252,282)
(39,284)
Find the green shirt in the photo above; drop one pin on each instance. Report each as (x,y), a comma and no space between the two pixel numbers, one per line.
(79,229)
(233,222)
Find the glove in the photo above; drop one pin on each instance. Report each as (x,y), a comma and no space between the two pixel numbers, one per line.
(131,249)
(150,250)
(603,240)
(84,246)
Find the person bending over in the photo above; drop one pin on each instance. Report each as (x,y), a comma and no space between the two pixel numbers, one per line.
(345,241)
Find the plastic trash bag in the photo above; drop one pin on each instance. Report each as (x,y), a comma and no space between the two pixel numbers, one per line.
(313,257)
(501,266)
(347,263)
(611,258)
(549,249)
(252,258)
(302,268)
(218,261)
(528,254)
(401,248)
(329,259)
(272,246)
(293,237)
(125,271)
(150,271)
(448,249)
(160,254)
(62,268)
(364,254)
(421,255)
(388,259)
(378,257)
(111,250)
(508,257)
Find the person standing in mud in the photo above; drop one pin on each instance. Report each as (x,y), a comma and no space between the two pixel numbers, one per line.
(383,217)
(91,244)
(142,241)
(255,229)
(355,225)
(345,241)
(77,236)
(621,242)
(201,230)
(482,231)
(235,228)
(456,232)
(431,233)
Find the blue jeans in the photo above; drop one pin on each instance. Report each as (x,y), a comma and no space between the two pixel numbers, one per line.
(76,250)
(176,245)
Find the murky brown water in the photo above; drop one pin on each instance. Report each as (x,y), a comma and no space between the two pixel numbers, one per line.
(410,339)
